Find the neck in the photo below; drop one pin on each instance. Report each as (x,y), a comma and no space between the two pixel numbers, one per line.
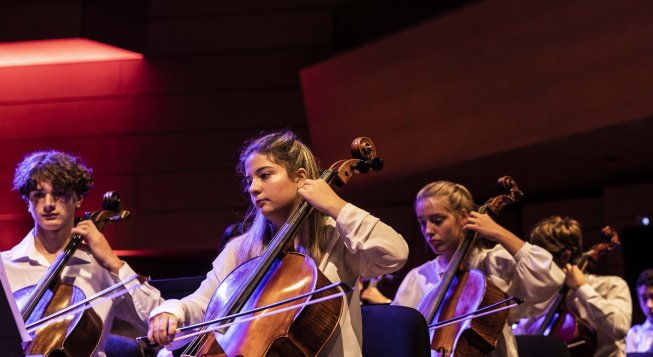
(446,258)
(51,242)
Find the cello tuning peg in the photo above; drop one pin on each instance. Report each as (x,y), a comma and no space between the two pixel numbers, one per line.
(362,167)
(377,164)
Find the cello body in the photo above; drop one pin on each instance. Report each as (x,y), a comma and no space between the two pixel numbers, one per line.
(82,332)
(286,334)
(469,291)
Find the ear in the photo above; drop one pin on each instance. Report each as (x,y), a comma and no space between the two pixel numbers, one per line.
(78,202)
(565,257)
(300,176)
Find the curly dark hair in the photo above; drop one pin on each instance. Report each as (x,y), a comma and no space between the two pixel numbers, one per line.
(556,234)
(645,278)
(62,170)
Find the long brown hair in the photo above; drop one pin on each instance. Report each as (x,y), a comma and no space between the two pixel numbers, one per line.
(285,149)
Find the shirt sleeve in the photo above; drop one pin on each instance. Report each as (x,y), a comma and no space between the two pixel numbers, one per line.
(631,345)
(530,275)
(609,309)
(410,291)
(192,308)
(374,247)
(144,297)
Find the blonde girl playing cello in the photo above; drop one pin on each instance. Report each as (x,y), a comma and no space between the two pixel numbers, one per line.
(346,242)
(445,210)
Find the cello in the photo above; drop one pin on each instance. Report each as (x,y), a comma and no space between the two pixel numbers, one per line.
(560,321)
(77,336)
(463,291)
(277,275)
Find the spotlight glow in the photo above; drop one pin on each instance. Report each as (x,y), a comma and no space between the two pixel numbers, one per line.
(59,51)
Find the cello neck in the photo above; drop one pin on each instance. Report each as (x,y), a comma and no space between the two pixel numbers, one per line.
(460,256)
(273,250)
(51,276)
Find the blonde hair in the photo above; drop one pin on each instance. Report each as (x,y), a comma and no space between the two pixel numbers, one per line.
(455,197)
(285,149)
(557,234)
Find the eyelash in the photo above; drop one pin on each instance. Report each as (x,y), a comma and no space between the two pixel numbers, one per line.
(436,221)
(263,175)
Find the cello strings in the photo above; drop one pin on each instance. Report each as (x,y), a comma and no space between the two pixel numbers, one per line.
(84,304)
(218,327)
(344,289)
(478,313)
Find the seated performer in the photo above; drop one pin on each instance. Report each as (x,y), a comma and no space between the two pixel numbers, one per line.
(53,184)
(640,337)
(344,241)
(445,211)
(602,302)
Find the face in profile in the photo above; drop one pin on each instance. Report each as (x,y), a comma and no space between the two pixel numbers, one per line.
(52,208)
(271,189)
(645,295)
(440,226)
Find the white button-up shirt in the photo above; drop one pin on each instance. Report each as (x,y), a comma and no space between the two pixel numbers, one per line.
(25,266)
(359,245)
(640,338)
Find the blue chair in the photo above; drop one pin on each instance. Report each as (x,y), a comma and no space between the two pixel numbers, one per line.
(541,346)
(177,288)
(120,346)
(395,331)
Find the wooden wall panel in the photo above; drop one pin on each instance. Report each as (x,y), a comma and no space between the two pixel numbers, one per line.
(183,232)
(491,77)
(233,71)
(175,8)
(238,31)
(31,20)
(213,111)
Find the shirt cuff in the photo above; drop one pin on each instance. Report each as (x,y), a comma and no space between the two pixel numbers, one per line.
(585,291)
(523,252)
(347,214)
(172,306)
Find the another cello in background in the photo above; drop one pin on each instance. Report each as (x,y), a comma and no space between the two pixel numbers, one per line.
(463,291)
(560,321)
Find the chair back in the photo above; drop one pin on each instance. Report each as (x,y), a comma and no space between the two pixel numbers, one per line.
(396,331)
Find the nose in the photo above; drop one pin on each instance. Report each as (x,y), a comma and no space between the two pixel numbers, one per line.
(429,228)
(49,201)
(649,302)
(254,187)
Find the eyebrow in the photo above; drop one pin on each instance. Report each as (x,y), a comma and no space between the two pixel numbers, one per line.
(259,170)
(262,168)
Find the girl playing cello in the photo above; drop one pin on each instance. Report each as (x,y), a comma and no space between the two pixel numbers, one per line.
(345,241)
(445,211)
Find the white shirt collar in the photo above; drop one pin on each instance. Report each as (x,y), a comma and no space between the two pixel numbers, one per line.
(26,250)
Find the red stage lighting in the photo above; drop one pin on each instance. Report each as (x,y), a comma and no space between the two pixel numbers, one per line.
(58,51)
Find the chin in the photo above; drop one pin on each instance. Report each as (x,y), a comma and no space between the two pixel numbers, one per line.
(51,225)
